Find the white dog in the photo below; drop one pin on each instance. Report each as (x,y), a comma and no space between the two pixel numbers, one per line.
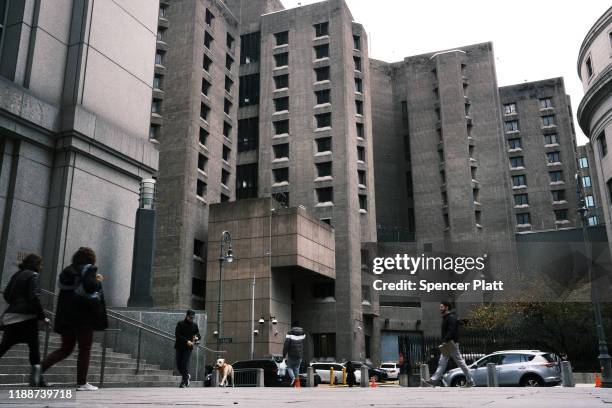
(225,370)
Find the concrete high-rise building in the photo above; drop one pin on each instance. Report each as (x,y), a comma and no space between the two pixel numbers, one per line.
(75,91)
(595,109)
(541,153)
(438,144)
(194,123)
(590,184)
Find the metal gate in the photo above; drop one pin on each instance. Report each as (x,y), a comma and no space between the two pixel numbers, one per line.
(412,353)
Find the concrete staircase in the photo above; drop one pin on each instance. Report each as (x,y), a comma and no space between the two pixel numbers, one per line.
(119,371)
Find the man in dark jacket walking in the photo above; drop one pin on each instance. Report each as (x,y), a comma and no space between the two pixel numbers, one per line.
(293,349)
(449,347)
(20,320)
(187,334)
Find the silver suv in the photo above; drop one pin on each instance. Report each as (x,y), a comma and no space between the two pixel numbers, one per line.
(527,368)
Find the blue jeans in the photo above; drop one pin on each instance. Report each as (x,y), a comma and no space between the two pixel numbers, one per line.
(293,367)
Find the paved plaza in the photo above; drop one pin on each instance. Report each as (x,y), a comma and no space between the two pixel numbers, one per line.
(324,397)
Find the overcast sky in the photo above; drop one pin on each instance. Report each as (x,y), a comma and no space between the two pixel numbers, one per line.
(532,39)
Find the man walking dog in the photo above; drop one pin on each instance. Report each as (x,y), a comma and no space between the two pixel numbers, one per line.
(449,348)
(187,334)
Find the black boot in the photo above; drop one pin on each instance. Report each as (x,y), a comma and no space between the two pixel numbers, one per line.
(35,375)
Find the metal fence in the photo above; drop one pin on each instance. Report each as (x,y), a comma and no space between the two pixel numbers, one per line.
(246,377)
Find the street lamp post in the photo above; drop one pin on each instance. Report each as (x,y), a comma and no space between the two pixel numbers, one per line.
(226,254)
(604,355)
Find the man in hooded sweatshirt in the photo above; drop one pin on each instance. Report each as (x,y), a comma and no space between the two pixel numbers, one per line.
(293,349)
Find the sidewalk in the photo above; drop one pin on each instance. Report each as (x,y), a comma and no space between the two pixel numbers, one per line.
(337,397)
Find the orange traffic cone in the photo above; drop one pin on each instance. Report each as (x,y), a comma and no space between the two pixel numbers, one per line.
(597,381)
(297,384)
(373,382)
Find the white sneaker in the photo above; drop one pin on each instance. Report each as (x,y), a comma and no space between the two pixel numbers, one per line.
(87,387)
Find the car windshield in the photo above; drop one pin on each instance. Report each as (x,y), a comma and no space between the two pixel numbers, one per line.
(387,366)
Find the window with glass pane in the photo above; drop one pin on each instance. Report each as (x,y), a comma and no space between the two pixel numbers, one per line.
(360,130)
(209,17)
(228,84)
(281,60)
(208,39)
(229,41)
(558,195)
(282,38)
(323,120)
(281,151)
(516,162)
(546,103)
(229,62)
(161,32)
(363,202)
(249,48)
(321,29)
(356,42)
(361,153)
(523,219)
(520,180)
(323,96)
(227,129)
(551,139)
(226,153)
(202,161)
(281,81)
(156,107)
(553,157)
(555,176)
(584,163)
(358,85)
(200,188)
(248,134)
(206,63)
(514,143)
(603,144)
(357,61)
(281,127)
(589,201)
(592,221)
(246,181)
(586,181)
(227,106)
(157,81)
(325,195)
(561,215)
(509,108)
(225,175)
(204,111)
(248,90)
(281,175)
(324,169)
(159,58)
(205,86)
(548,120)
(203,136)
(281,104)
(511,125)
(321,51)
(521,199)
(361,175)
(322,74)
(324,144)
(359,107)
(163,11)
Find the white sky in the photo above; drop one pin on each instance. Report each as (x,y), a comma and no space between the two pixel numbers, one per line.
(532,39)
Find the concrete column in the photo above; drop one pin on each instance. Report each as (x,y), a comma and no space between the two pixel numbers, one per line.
(567,376)
(364,377)
(260,377)
(492,375)
(424,368)
(310,382)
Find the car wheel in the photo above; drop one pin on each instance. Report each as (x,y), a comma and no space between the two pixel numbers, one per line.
(458,381)
(531,381)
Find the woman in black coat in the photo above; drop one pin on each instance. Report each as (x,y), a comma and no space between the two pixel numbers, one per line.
(350,374)
(80,311)
(20,320)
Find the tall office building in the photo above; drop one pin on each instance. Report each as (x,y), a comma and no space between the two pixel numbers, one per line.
(541,153)
(590,184)
(74,124)
(594,113)
(194,123)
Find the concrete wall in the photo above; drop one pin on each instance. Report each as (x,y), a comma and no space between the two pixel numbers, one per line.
(75,141)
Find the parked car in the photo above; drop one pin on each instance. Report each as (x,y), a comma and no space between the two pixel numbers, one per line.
(323,370)
(392,370)
(380,375)
(275,371)
(526,368)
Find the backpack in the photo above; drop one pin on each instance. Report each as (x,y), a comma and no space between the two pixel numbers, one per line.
(87,286)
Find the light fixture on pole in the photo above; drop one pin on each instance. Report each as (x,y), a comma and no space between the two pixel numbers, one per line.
(226,255)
